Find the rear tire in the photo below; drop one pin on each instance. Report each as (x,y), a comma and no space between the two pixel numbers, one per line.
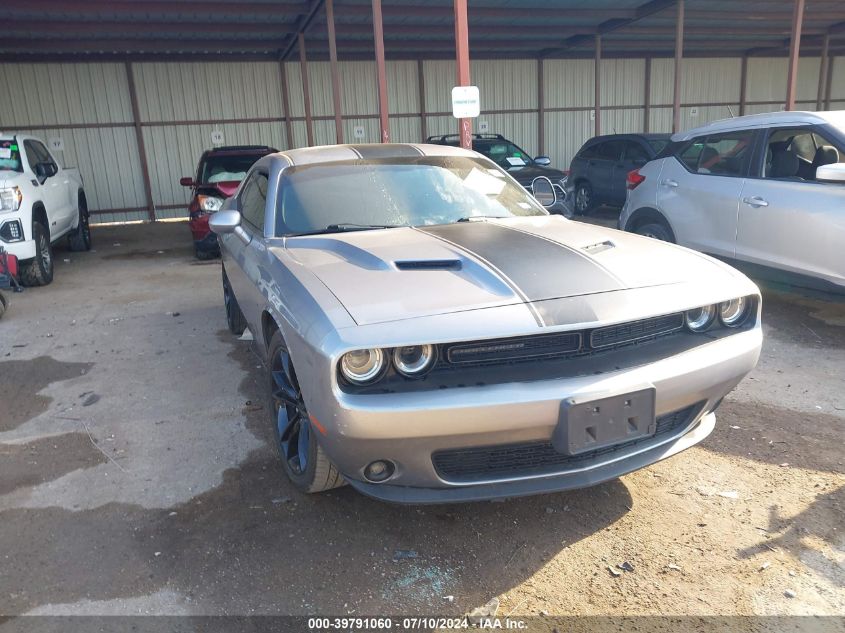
(38,271)
(584,201)
(234,317)
(303,459)
(79,239)
(655,230)
(204,255)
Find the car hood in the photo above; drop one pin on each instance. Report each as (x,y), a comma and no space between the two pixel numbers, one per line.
(9,178)
(526,174)
(393,274)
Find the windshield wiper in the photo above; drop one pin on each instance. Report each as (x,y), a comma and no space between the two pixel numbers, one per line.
(344,227)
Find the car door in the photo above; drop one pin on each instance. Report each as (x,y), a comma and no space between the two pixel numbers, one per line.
(634,156)
(52,190)
(787,219)
(700,188)
(601,169)
(249,276)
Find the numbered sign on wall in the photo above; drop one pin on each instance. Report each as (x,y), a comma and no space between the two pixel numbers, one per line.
(693,113)
(56,144)
(217,137)
(358,132)
(483,126)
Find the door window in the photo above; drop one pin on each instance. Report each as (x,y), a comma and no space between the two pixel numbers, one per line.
(796,154)
(612,150)
(254,200)
(719,154)
(635,152)
(592,151)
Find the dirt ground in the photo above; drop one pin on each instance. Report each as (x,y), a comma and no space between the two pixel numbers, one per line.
(139,477)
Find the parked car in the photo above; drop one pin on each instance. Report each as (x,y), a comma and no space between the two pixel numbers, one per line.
(766,192)
(419,349)
(219,173)
(40,203)
(597,172)
(513,159)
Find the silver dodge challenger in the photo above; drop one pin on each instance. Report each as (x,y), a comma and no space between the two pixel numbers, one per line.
(433,335)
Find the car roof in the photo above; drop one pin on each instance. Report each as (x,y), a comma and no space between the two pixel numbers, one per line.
(619,137)
(240,149)
(334,153)
(768,119)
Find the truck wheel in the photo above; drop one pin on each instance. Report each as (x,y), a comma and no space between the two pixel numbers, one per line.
(234,317)
(38,271)
(4,303)
(584,202)
(80,239)
(656,230)
(304,461)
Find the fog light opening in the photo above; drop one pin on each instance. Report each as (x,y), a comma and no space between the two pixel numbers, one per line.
(379,471)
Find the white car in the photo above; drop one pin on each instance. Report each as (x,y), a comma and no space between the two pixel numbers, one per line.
(766,192)
(40,202)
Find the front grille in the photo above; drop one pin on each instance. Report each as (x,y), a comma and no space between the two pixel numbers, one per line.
(635,330)
(538,458)
(502,350)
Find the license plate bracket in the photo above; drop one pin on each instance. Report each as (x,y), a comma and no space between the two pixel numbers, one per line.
(591,423)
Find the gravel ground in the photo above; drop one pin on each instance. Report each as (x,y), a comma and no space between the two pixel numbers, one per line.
(138,477)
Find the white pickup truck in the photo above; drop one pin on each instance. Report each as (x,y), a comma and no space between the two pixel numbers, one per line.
(40,202)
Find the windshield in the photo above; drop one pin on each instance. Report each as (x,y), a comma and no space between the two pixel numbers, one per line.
(223,168)
(10,155)
(397,192)
(503,153)
(659,144)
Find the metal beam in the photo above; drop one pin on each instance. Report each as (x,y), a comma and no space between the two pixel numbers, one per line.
(89,9)
(743,84)
(541,109)
(462,65)
(679,54)
(302,24)
(381,73)
(421,95)
(338,114)
(825,60)
(597,86)
(829,82)
(306,91)
(794,47)
(283,78)
(647,96)
(139,137)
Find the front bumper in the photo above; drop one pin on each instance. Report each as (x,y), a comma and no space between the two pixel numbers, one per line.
(408,428)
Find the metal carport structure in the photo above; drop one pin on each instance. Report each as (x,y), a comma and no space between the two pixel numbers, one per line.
(407,47)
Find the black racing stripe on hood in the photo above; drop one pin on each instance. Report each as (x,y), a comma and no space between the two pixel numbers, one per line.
(376,151)
(539,269)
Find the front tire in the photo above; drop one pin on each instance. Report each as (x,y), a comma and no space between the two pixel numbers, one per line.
(584,201)
(79,239)
(655,230)
(303,459)
(38,271)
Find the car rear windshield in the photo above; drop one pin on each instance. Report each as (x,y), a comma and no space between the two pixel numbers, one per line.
(658,144)
(10,156)
(397,192)
(226,167)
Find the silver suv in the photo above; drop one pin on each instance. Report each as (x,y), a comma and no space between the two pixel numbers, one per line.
(766,192)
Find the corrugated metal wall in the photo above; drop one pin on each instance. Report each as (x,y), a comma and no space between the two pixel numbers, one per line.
(180,104)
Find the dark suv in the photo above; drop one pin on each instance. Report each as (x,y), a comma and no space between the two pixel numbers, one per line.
(219,173)
(512,158)
(598,171)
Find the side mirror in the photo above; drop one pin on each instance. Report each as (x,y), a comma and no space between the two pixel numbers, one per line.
(544,191)
(834,172)
(45,170)
(186,181)
(225,222)
(543,161)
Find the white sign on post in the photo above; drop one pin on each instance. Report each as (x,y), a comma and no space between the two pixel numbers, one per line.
(56,144)
(466,102)
(359,132)
(217,137)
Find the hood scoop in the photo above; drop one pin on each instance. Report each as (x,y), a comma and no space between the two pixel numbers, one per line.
(593,249)
(428,264)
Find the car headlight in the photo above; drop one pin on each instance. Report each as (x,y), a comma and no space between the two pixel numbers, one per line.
(10,199)
(363,365)
(210,203)
(413,360)
(699,319)
(734,312)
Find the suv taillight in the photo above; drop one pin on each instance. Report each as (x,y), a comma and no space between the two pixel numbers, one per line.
(634,179)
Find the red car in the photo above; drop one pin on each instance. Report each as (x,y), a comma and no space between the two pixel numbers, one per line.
(219,173)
